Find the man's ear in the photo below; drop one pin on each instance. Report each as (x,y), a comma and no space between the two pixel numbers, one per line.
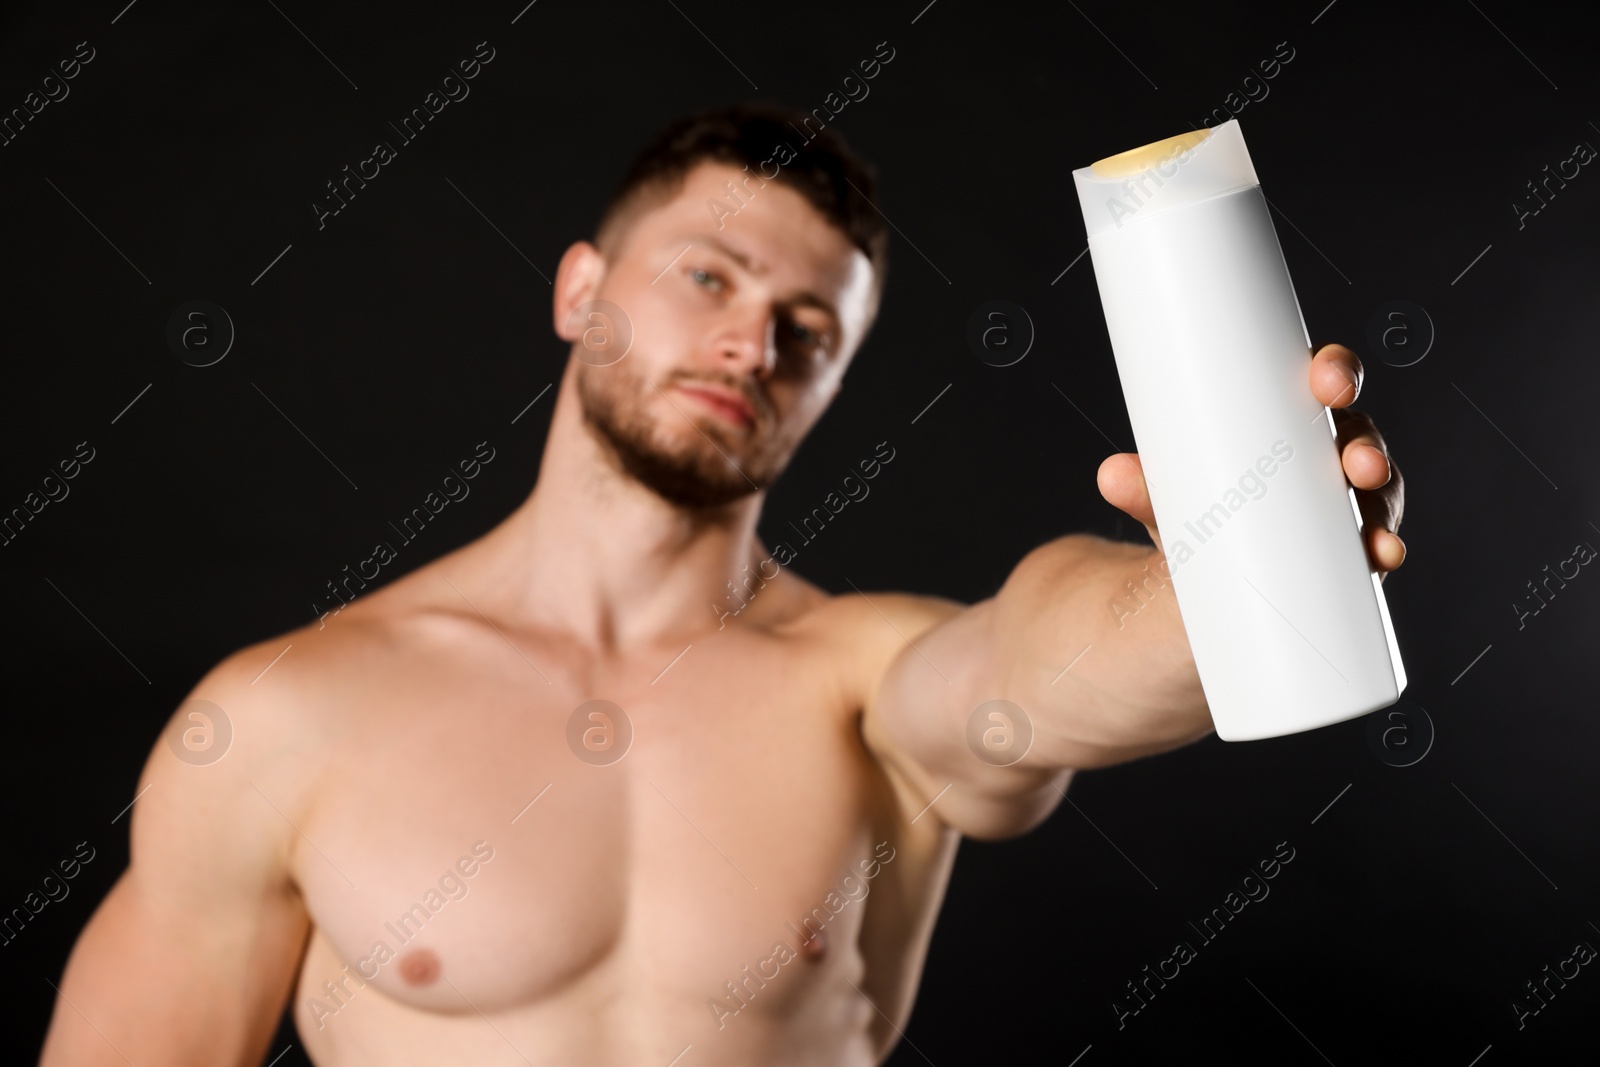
(578,279)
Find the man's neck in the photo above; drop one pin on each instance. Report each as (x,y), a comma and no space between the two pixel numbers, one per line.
(596,554)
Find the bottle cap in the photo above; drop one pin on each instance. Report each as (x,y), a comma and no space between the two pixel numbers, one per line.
(1142,182)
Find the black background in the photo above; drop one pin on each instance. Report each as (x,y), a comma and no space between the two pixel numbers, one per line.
(1393,144)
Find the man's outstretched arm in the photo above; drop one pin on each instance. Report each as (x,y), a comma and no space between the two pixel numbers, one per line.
(1129,692)
(1099,686)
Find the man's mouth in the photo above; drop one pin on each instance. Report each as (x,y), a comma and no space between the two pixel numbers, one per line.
(725,402)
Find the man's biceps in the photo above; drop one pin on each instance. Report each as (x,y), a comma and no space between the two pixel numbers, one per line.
(190,823)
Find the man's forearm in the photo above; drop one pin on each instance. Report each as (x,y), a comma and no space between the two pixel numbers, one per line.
(1096,653)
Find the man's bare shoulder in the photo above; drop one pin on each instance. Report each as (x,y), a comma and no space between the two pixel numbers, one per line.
(305,675)
(867,629)
(859,615)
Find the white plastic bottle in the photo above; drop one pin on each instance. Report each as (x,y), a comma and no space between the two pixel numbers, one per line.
(1285,616)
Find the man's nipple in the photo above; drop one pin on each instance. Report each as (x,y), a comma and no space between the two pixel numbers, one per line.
(813,948)
(419,967)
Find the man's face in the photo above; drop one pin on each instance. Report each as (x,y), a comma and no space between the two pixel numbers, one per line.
(741,334)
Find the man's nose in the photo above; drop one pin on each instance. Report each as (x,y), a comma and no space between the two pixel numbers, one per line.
(747,342)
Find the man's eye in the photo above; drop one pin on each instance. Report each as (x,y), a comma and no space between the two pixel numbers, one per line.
(806,337)
(705,279)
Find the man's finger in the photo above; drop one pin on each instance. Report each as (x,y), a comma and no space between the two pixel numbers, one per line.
(1336,376)
(1121,481)
(1381,510)
(1362,452)
(1379,518)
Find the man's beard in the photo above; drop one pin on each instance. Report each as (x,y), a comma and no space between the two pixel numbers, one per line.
(698,473)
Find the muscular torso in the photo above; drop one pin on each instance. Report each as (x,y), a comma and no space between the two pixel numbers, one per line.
(658,906)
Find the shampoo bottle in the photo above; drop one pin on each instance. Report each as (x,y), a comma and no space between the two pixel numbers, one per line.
(1284,614)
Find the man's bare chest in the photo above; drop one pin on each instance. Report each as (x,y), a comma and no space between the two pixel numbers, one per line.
(512,836)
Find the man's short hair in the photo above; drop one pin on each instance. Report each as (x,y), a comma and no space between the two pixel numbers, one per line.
(834,179)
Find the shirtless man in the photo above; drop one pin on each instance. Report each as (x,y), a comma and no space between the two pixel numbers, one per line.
(425,834)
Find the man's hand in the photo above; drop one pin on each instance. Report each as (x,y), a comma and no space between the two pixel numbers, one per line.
(1380,493)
